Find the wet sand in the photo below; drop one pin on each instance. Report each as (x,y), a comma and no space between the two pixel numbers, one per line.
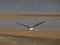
(38,33)
(25,40)
(22,37)
(23,16)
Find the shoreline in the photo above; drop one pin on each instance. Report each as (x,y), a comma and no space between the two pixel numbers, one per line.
(41,33)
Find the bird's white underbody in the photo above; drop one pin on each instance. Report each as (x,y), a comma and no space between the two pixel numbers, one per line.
(30,29)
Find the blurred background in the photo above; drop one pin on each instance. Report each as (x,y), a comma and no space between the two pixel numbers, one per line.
(30,6)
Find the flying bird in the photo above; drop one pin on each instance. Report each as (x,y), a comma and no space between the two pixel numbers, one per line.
(31,28)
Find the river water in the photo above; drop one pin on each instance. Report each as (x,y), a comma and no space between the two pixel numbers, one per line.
(51,23)
(30,6)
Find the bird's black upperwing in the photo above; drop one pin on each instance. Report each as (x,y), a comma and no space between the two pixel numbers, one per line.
(23,25)
(38,24)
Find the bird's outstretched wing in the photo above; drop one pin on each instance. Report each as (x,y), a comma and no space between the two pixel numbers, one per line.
(23,25)
(38,24)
